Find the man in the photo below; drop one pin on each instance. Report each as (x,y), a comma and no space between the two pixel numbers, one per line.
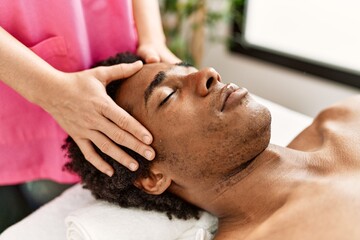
(213,151)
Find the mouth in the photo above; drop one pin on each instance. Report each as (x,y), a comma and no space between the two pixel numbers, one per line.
(231,96)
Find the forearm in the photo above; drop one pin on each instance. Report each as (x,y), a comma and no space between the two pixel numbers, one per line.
(148,21)
(24,71)
(78,102)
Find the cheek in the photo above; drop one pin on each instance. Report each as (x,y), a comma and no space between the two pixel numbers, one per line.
(178,134)
(188,146)
(178,142)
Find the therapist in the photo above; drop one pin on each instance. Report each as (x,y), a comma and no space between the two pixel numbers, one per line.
(45,93)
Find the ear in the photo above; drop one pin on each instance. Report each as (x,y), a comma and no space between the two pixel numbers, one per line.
(156,183)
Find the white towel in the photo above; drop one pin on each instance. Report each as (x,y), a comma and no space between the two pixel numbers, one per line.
(105,221)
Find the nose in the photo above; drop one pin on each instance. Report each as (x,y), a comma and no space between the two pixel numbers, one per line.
(205,79)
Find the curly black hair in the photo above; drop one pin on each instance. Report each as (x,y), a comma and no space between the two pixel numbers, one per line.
(120,187)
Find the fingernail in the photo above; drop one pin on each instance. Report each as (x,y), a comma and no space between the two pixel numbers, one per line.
(148,155)
(109,173)
(147,139)
(133,166)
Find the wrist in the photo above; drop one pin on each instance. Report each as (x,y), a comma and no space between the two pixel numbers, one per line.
(46,87)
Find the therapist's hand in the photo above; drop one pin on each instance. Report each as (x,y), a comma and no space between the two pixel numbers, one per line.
(84,110)
(156,52)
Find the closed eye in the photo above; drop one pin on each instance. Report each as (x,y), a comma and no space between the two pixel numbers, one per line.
(166,99)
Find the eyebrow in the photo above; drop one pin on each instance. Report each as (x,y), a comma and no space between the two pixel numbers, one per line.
(184,64)
(157,80)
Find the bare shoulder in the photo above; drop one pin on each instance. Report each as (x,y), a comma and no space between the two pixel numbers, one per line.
(337,118)
(344,109)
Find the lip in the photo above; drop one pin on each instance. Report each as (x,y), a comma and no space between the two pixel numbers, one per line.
(232,96)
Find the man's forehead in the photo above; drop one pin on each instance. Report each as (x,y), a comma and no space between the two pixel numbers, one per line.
(133,87)
(149,71)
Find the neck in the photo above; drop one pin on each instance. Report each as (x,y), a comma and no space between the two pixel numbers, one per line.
(247,198)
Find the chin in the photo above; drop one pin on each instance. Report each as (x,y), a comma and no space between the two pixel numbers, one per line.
(262,123)
(258,131)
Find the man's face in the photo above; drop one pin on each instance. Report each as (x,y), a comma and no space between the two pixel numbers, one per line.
(201,126)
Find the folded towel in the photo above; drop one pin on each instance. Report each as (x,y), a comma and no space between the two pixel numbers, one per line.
(105,221)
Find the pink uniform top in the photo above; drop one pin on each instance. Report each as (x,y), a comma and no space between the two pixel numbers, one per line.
(71,36)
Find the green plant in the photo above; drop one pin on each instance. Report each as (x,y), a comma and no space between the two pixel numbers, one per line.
(237,8)
(184,24)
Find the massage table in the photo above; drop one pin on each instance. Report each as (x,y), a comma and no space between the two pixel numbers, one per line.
(76,215)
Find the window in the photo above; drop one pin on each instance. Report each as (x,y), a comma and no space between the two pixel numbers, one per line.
(320,37)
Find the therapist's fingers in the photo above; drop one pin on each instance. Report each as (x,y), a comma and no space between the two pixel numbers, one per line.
(112,111)
(93,157)
(107,74)
(149,54)
(111,149)
(124,121)
(167,56)
(153,53)
(125,139)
